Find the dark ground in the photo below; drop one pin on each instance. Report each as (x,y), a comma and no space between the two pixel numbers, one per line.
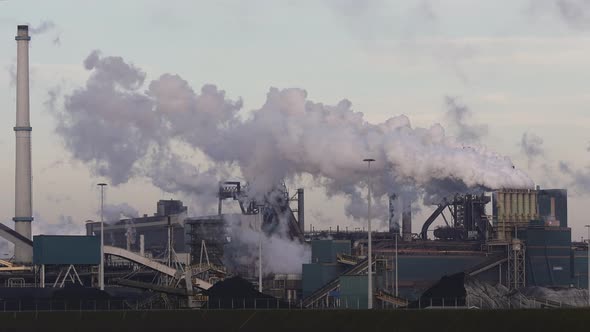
(301,320)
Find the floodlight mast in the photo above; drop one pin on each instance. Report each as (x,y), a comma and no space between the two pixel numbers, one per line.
(370,250)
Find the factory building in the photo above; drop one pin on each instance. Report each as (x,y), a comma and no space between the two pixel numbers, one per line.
(526,241)
(324,265)
(207,237)
(167,222)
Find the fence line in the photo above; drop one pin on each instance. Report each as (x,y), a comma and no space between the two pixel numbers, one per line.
(344,302)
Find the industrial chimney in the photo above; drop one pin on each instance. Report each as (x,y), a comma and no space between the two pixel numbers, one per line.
(407,220)
(301,210)
(393,214)
(23,180)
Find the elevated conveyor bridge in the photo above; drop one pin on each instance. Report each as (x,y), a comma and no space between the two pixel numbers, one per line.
(151,264)
(12,236)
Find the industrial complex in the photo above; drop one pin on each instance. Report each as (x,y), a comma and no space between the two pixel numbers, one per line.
(516,238)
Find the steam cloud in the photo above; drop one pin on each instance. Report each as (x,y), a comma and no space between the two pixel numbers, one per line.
(64,225)
(580,179)
(114,212)
(122,132)
(44,27)
(459,117)
(280,254)
(575,12)
(532,146)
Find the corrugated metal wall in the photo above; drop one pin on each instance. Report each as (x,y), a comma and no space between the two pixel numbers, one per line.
(65,250)
(548,255)
(317,275)
(325,251)
(354,292)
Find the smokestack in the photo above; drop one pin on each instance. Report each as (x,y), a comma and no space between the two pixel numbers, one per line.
(142,245)
(301,210)
(407,220)
(393,219)
(23,180)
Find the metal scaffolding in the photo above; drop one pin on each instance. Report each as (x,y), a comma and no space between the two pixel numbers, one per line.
(516,274)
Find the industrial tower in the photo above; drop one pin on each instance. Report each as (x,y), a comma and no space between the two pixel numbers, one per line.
(23,179)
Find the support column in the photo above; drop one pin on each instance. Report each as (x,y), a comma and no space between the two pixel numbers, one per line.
(42,276)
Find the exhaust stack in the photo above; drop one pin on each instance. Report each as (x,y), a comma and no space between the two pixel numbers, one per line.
(407,220)
(301,210)
(393,214)
(23,180)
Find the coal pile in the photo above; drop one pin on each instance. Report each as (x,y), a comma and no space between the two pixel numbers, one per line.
(448,291)
(464,291)
(50,299)
(238,293)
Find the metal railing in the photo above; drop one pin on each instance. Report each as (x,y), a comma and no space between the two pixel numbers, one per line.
(345,302)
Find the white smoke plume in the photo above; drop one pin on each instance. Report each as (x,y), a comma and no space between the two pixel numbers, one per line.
(130,231)
(45,27)
(532,146)
(64,225)
(279,253)
(579,179)
(121,132)
(116,212)
(459,117)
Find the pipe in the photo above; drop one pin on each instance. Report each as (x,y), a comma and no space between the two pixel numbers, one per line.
(142,245)
(520,199)
(527,204)
(301,209)
(259,217)
(23,179)
(534,213)
(514,206)
(370,240)
(407,221)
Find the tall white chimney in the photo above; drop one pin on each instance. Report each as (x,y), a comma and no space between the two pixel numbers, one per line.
(23,181)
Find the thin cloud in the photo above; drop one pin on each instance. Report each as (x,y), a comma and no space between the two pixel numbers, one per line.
(459,117)
(575,13)
(532,146)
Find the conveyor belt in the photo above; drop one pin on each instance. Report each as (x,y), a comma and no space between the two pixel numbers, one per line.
(486,265)
(335,283)
(131,256)
(12,236)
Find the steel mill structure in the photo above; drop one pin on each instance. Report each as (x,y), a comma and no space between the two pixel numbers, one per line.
(513,237)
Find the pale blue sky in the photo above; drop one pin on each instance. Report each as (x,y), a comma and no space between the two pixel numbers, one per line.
(518,65)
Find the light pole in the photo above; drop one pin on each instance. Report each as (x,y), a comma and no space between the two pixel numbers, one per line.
(101,268)
(588,259)
(260,249)
(370,251)
(396,275)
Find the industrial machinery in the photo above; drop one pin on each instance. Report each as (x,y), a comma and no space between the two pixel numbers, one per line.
(274,207)
(467,218)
